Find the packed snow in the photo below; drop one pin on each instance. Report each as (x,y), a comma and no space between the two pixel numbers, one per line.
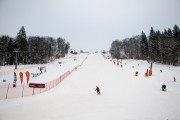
(50,71)
(124,96)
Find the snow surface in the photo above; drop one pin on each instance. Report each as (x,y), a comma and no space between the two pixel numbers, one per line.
(124,96)
(53,70)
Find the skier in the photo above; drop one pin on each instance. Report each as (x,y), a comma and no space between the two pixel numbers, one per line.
(174,79)
(15,77)
(136,73)
(98,90)
(164,87)
(14,83)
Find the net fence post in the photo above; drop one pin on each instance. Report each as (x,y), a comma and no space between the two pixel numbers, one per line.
(23,90)
(7,90)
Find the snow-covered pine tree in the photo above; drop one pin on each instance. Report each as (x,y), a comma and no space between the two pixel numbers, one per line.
(3,49)
(61,46)
(153,45)
(21,44)
(176,50)
(67,46)
(144,46)
(10,49)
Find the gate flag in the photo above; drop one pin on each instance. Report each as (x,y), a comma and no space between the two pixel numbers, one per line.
(27,76)
(21,77)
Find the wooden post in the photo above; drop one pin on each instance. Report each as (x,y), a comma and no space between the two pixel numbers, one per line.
(7,90)
(33,91)
(151,65)
(23,90)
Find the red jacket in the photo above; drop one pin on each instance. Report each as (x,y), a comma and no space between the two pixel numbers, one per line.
(97,89)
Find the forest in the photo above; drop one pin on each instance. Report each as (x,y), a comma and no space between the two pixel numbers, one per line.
(31,50)
(161,47)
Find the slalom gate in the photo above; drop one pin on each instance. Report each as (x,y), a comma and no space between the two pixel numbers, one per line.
(8,91)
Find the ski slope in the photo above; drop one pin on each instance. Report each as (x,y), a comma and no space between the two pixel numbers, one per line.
(53,70)
(124,96)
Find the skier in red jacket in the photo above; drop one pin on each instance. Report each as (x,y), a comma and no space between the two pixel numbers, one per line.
(98,90)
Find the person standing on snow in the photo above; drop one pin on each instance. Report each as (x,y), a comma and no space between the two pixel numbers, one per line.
(98,90)
(163,87)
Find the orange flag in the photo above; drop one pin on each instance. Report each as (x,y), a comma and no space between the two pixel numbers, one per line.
(27,76)
(21,77)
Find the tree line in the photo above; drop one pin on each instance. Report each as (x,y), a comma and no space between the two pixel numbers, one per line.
(32,49)
(162,47)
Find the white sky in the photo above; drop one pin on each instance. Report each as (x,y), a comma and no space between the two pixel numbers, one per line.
(87,24)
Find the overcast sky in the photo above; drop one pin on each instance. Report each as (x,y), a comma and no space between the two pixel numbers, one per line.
(89,25)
